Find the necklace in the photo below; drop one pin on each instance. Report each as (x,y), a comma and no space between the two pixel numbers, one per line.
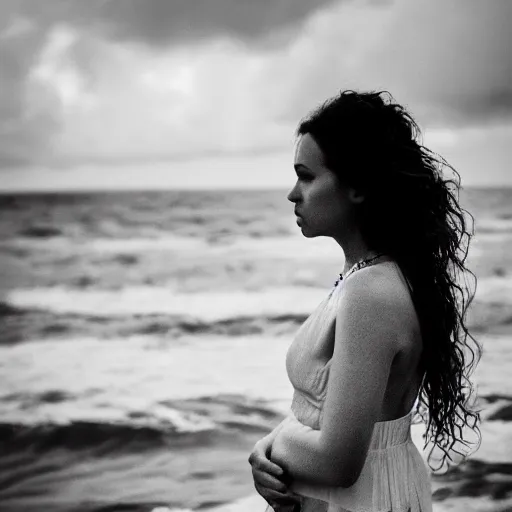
(357,266)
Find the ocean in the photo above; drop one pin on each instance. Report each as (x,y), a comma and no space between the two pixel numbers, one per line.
(144,337)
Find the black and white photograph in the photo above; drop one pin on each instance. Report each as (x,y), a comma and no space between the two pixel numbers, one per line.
(255,256)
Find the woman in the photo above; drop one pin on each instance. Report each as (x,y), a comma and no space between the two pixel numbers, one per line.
(390,335)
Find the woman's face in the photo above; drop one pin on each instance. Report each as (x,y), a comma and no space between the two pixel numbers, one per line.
(324,207)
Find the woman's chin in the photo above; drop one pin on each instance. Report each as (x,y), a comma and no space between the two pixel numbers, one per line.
(303,227)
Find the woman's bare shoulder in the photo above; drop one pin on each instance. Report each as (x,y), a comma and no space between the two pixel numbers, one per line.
(379,288)
(376,281)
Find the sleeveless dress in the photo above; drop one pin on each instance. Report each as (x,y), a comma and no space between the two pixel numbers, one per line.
(395,477)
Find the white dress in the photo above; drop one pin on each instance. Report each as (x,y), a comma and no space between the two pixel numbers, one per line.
(395,477)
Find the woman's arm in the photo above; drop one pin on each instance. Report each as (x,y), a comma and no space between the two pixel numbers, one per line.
(270,437)
(369,318)
(296,448)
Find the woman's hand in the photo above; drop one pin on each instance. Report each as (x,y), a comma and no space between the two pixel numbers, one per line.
(270,480)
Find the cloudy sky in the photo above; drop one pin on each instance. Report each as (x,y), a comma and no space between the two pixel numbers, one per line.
(207,93)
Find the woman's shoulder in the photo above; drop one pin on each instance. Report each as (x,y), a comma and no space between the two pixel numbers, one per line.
(378,287)
(376,281)
(378,290)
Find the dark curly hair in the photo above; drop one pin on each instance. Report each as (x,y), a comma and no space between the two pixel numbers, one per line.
(411,213)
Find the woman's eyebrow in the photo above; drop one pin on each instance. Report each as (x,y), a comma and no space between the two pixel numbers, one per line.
(299,166)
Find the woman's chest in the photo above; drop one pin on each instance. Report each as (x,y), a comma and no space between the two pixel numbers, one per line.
(308,357)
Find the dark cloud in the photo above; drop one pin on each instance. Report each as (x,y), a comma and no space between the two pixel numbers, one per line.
(163,22)
(468,108)
(26,24)
(27,116)
(451,60)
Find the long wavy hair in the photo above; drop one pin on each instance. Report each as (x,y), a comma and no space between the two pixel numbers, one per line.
(412,213)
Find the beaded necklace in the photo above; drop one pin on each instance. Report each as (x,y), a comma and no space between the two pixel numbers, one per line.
(357,266)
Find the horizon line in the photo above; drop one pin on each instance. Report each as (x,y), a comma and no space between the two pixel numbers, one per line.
(64,191)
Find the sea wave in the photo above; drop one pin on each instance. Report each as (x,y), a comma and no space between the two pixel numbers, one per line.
(200,421)
(501,224)
(81,435)
(172,423)
(26,324)
(205,306)
(152,240)
(58,311)
(29,400)
(495,289)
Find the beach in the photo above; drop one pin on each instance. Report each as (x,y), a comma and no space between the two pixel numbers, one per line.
(143,347)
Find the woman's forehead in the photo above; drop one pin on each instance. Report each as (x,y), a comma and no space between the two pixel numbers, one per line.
(307,152)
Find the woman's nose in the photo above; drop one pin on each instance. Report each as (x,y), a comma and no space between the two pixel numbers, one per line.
(292,195)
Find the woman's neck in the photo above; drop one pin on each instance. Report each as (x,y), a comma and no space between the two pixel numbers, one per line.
(355,251)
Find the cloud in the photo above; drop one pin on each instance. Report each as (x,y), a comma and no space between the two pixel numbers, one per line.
(165,22)
(453,60)
(210,99)
(52,52)
(21,111)
(107,79)
(449,61)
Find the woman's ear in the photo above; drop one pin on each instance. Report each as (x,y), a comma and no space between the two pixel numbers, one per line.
(355,196)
